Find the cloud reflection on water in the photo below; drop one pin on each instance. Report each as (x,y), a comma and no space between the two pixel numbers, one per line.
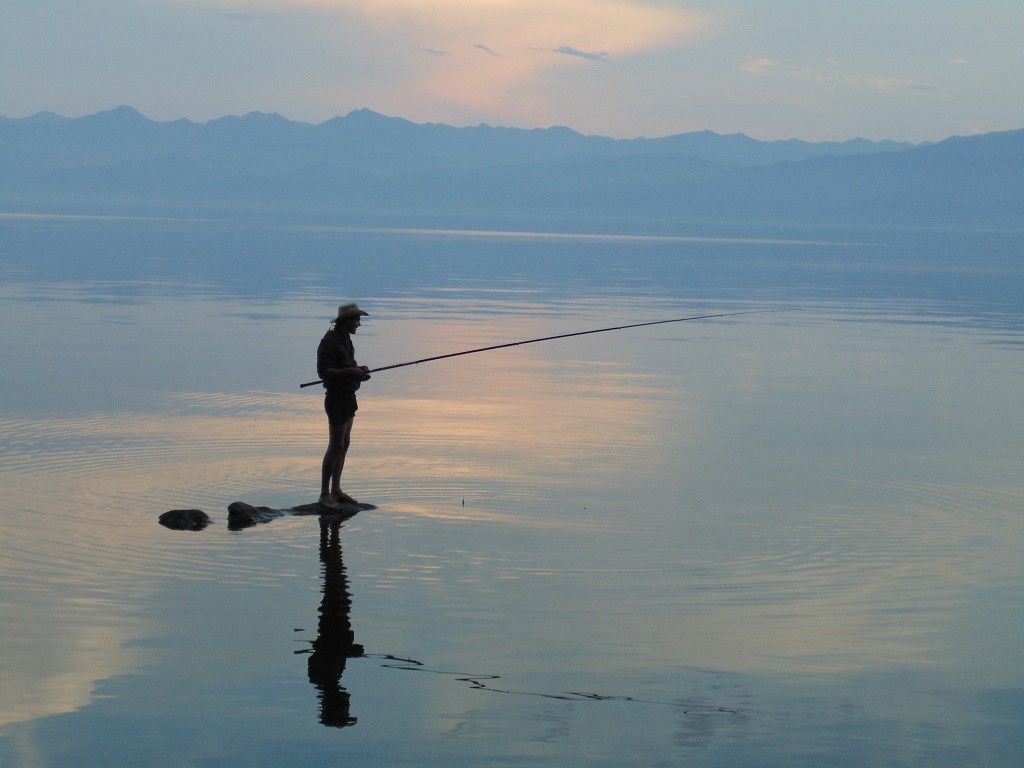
(110,474)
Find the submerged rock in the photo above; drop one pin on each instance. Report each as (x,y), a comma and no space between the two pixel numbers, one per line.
(242,515)
(185,519)
(347,510)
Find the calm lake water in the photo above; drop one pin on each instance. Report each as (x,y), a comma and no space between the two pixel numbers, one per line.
(780,539)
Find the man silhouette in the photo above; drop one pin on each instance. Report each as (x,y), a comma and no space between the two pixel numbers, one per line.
(336,365)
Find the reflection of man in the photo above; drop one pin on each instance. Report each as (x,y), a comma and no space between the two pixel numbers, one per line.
(336,365)
(334,638)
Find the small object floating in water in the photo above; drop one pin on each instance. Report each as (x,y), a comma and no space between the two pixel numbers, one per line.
(185,519)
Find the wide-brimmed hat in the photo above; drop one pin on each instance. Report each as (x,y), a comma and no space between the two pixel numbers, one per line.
(346,311)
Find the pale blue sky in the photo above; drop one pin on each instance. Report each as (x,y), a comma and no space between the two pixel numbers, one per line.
(814,70)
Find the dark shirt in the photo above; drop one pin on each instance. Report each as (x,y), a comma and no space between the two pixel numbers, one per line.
(336,351)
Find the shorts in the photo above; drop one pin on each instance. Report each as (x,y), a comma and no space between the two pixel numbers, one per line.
(340,406)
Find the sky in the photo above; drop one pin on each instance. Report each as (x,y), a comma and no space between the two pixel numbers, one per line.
(785,69)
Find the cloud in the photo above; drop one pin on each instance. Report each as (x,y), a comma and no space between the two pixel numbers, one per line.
(516,81)
(764,66)
(761,66)
(882,84)
(432,52)
(240,15)
(958,61)
(895,84)
(568,50)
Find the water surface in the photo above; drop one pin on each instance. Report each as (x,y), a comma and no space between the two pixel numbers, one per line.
(785,539)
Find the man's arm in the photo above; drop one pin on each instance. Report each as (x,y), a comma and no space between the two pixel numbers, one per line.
(331,365)
(360,372)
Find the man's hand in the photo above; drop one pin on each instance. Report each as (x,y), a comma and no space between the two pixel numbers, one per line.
(360,372)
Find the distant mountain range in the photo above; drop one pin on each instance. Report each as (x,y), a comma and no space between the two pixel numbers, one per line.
(370,164)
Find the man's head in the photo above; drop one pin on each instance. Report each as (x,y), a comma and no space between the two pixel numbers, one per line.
(348,318)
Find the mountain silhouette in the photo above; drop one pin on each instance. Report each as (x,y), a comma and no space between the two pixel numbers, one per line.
(373,164)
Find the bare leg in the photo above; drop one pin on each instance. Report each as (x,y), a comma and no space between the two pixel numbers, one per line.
(334,460)
(339,465)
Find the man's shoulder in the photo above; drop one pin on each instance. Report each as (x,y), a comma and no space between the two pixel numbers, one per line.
(336,343)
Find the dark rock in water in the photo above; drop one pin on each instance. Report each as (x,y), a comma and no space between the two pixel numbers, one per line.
(242,515)
(185,519)
(347,510)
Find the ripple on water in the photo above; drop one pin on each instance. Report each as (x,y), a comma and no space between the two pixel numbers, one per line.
(84,491)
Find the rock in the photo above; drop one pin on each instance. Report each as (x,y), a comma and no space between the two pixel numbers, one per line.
(347,510)
(242,515)
(185,519)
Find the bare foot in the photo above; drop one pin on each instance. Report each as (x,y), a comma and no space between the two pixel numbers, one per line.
(329,502)
(343,497)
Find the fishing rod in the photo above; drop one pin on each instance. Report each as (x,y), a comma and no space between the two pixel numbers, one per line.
(559,336)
